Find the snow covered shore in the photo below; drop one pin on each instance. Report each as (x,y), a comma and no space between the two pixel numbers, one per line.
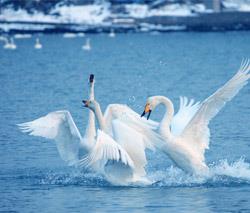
(135,17)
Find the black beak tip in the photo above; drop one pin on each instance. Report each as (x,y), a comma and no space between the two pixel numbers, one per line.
(143,113)
(149,113)
(91,78)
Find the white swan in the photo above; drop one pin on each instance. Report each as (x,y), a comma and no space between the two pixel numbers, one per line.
(38,45)
(10,45)
(187,147)
(131,144)
(7,44)
(112,34)
(87,45)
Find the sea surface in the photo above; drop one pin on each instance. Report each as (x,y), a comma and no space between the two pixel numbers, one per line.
(128,69)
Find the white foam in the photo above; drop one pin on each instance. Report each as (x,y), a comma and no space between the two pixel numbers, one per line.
(222,172)
(238,169)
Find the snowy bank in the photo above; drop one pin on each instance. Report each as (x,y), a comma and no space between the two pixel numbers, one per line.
(127,17)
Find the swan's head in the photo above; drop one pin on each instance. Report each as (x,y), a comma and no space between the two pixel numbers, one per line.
(91,104)
(149,107)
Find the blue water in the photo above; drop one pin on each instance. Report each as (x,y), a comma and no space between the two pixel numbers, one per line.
(128,69)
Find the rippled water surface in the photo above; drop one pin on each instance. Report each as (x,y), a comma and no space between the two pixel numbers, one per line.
(128,69)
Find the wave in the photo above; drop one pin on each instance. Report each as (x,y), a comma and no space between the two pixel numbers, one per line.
(221,173)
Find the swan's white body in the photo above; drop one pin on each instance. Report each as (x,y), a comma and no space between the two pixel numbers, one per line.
(131,143)
(38,45)
(7,44)
(10,45)
(186,142)
(87,45)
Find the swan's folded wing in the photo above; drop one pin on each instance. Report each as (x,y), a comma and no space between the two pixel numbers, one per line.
(133,143)
(197,132)
(186,112)
(133,120)
(60,127)
(105,150)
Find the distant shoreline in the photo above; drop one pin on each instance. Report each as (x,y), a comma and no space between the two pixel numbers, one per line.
(223,21)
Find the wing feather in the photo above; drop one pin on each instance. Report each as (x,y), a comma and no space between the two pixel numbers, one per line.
(58,126)
(197,132)
(133,143)
(186,111)
(105,150)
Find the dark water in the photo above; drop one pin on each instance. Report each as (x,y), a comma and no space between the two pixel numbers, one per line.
(128,68)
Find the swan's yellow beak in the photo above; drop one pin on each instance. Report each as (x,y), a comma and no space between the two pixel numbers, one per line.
(148,110)
(85,103)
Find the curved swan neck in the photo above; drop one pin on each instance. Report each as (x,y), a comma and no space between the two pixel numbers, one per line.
(164,127)
(91,130)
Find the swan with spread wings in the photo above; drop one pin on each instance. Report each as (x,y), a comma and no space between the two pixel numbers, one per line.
(186,138)
(72,147)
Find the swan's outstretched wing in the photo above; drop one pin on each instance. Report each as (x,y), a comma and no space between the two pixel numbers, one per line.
(197,132)
(186,111)
(60,127)
(133,120)
(106,150)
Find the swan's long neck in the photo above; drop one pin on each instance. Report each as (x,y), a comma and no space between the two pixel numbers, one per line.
(91,130)
(100,117)
(164,127)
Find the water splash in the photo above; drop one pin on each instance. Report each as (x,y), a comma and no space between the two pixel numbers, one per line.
(221,173)
(73,178)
